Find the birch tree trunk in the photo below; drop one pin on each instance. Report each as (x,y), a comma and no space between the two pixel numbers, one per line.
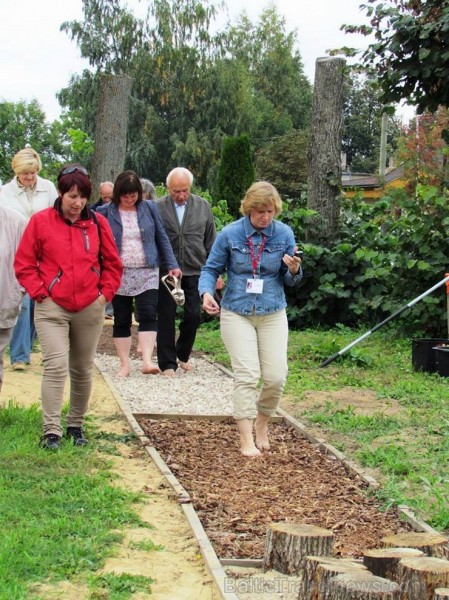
(324,151)
(110,129)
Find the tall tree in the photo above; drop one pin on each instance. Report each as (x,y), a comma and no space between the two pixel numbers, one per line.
(109,37)
(424,150)
(283,162)
(24,123)
(410,53)
(272,59)
(362,115)
(192,88)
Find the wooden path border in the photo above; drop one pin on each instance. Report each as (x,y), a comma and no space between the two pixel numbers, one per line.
(213,564)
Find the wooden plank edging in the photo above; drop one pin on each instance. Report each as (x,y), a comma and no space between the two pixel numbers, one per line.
(211,560)
(213,564)
(355,469)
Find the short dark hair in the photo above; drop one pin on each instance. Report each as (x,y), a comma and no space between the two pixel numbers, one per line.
(127,182)
(74,175)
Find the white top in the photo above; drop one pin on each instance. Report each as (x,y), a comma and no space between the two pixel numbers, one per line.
(13,196)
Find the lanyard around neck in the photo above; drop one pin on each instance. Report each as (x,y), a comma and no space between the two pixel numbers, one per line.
(256,259)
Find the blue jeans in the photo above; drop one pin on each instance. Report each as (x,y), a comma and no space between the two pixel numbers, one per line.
(23,334)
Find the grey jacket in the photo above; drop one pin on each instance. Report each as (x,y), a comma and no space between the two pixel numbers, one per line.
(12,225)
(191,241)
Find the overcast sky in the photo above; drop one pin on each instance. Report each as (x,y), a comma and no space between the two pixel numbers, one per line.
(37,60)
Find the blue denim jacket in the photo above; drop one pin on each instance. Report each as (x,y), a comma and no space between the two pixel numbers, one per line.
(231,253)
(156,244)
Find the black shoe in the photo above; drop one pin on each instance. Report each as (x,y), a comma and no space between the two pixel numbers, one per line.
(77,435)
(50,441)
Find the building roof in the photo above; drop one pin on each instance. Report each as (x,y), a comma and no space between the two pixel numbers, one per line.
(372,181)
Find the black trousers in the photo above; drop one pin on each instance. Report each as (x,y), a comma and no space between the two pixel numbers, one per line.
(169,349)
(144,306)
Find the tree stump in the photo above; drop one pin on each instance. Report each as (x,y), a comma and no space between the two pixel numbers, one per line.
(288,544)
(309,588)
(432,544)
(420,577)
(324,149)
(384,562)
(324,573)
(441,594)
(362,585)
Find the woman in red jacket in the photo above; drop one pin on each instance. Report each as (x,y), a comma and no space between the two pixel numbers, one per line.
(68,263)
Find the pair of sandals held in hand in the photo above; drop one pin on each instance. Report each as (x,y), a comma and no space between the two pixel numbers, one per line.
(173,285)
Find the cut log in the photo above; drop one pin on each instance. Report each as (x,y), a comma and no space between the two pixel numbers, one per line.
(324,573)
(432,544)
(384,562)
(420,577)
(441,594)
(362,585)
(288,544)
(309,586)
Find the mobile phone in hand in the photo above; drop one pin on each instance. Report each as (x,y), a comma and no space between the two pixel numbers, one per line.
(299,254)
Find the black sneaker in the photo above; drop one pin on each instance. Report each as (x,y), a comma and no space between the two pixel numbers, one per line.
(50,441)
(77,435)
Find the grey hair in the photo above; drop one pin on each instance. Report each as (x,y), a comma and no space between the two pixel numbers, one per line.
(180,171)
(149,191)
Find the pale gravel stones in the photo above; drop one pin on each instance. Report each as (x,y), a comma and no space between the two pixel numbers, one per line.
(206,390)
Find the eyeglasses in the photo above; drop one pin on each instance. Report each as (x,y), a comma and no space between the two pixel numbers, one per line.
(69,170)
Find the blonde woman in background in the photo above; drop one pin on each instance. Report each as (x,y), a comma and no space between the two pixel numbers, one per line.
(27,194)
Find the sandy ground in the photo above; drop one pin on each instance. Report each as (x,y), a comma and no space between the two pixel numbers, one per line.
(178,569)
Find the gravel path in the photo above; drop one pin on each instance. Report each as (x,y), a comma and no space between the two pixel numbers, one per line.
(206,390)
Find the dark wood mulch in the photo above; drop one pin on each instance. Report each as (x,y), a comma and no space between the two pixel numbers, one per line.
(236,498)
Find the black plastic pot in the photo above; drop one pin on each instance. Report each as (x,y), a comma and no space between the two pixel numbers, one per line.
(424,354)
(442,360)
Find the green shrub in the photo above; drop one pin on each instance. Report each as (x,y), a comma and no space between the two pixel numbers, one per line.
(235,172)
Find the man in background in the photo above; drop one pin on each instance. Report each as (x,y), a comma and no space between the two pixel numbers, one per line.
(106,191)
(190,226)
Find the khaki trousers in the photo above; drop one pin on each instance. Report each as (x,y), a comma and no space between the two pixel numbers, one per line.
(68,341)
(257,346)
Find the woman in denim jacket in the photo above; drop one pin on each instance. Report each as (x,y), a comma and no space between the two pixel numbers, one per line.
(143,245)
(257,253)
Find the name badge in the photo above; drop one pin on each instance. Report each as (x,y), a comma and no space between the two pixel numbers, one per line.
(254,286)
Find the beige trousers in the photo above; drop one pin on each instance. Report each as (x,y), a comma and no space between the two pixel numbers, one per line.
(257,346)
(68,341)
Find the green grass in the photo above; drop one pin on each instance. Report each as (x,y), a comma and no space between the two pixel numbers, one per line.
(60,514)
(407,448)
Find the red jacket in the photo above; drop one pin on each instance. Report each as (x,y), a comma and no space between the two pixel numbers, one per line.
(61,259)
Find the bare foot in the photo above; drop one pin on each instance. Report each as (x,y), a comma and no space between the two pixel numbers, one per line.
(168,373)
(186,366)
(261,429)
(150,369)
(250,451)
(123,372)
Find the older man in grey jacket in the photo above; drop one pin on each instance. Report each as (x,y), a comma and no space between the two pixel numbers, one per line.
(190,226)
(12,225)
